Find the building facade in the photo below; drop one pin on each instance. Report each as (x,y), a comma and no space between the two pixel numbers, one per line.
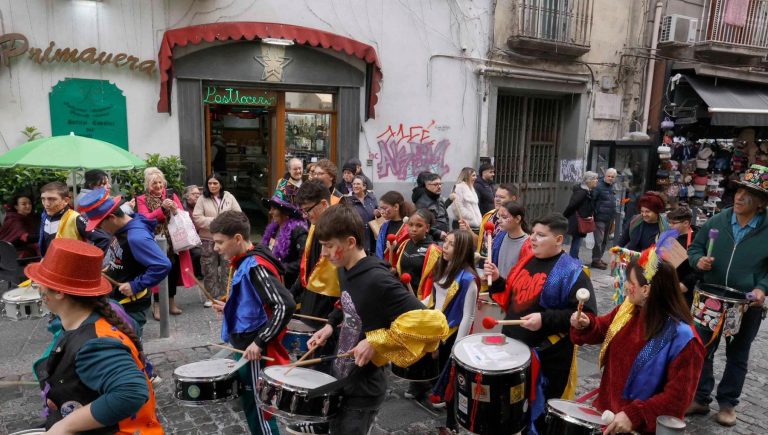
(240,87)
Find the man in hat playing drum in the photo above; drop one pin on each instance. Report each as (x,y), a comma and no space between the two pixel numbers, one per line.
(739,260)
(136,261)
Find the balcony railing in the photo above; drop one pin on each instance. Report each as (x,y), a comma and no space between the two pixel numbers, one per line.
(558,21)
(732,28)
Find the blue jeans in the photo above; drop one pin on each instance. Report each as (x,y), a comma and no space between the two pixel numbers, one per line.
(736,358)
(575,246)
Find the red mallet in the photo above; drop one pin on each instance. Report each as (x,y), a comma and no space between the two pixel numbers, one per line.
(490,322)
(392,248)
(406,279)
(582,295)
(488,227)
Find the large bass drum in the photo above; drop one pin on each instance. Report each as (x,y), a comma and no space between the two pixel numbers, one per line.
(492,383)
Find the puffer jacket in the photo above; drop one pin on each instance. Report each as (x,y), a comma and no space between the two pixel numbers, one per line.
(605,202)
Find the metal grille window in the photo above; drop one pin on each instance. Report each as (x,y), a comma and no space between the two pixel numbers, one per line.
(566,21)
(527,141)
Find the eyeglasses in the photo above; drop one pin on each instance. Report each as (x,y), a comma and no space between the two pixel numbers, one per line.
(307,211)
(319,173)
(434,184)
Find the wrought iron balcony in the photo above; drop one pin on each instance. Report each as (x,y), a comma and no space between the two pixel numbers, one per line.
(728,30)
(560,26)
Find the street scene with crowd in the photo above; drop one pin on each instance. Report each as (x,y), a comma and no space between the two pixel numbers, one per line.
(336,225)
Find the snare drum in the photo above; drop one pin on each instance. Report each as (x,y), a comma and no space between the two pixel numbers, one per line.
(204,382)
(486,307)
(716,304)
(492,384)
(565,417)
(285,395)
(296,338)
(425,369)
(23,303)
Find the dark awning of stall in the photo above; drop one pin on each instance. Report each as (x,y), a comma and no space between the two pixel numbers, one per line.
(254,31)
(731,102)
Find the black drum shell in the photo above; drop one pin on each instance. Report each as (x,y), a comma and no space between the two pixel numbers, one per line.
(498,415)
(556,424)
(210,390)
(292,403)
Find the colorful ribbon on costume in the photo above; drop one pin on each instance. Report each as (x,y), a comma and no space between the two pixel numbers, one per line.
(620,258)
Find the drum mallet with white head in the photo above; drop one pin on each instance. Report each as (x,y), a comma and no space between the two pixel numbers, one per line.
(582,295)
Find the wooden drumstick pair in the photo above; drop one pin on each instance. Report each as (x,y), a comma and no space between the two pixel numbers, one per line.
(488,227)
(582,295)
(312,361)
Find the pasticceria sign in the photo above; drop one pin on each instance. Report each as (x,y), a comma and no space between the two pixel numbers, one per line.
(15,44)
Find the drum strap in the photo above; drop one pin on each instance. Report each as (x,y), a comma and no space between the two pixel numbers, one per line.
(718,328)
(477,394)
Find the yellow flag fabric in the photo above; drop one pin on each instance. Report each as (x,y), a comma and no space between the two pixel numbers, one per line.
(411,336)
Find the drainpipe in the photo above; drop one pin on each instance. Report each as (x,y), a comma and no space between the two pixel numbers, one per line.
(651,67)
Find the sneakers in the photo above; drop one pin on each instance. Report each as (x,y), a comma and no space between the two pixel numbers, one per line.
(207,304)
(726,416)
(156,380)
(697,408)
(409,394)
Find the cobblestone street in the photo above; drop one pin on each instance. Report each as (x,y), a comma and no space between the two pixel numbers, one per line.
(192,331)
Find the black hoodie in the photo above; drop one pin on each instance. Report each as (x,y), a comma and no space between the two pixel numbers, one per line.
(372,294)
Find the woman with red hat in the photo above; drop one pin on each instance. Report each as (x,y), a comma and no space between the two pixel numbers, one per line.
(95,377)
(645,227)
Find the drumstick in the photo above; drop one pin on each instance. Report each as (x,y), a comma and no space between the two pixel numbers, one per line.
(201,285)
(304,316)
(488,227)
(303,357)
(312,361)
(406,279)
(109,278)
(241,352)
(607,417)
(713,233)
(582,295)
(490,322)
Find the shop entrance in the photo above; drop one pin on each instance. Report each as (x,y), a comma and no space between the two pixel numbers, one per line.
(251,133)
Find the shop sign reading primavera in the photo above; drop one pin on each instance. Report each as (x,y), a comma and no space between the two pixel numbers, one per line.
(15,44)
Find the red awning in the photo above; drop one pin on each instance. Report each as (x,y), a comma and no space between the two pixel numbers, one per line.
(250,31)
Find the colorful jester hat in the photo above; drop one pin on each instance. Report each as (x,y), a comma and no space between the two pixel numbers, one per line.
(655,254)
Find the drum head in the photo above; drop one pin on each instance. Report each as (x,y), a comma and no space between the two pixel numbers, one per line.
(470,351)
(210,368)
(22,294)
(299,377)
(297,325)
(722,292)
(579,411)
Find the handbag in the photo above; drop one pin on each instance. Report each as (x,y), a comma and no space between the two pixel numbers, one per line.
(586,224)
(183,233)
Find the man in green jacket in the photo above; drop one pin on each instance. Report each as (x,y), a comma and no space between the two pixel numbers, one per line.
(739,260)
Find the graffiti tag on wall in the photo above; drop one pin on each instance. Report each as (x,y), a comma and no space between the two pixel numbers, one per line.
(405,151)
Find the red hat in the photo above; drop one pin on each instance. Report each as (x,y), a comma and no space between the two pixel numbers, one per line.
(72,267)
(652,201)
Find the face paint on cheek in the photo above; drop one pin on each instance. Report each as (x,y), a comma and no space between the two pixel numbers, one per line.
(337,254)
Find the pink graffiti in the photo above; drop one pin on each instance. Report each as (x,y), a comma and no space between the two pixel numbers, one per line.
(405,152)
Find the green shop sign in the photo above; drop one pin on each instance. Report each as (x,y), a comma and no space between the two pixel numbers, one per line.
(90,108)
(240,97)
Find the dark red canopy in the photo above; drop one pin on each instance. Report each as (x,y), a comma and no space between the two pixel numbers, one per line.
(250,31)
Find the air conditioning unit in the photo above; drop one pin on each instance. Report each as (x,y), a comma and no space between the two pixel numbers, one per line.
(678,28)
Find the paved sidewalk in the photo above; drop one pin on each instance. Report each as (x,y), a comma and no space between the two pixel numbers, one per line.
(191,332)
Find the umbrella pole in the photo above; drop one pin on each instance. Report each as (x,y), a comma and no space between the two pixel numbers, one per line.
(74,189)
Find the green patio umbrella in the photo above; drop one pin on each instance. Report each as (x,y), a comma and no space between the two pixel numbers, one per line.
(71,152)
